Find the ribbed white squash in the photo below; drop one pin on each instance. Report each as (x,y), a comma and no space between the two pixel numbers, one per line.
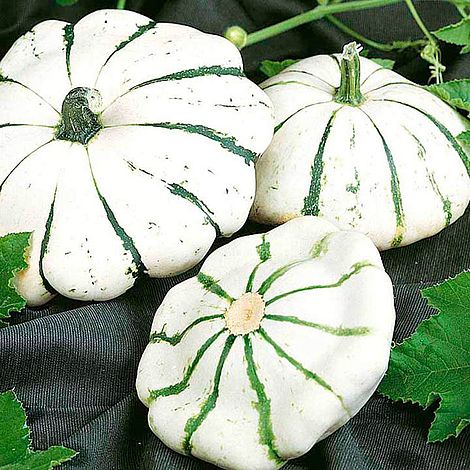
(278,341)
(126,146)
(372,152)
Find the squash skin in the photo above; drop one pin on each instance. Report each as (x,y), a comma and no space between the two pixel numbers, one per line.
(253,426)
(171,168)
(395,196)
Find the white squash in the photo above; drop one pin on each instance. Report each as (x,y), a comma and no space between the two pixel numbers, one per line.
(278,342)
(365,148)
(126,146)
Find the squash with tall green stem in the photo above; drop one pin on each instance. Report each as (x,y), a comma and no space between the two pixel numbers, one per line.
(363,147)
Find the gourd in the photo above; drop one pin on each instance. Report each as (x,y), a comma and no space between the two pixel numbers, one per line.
(126,147)
(365,148)
(277,342)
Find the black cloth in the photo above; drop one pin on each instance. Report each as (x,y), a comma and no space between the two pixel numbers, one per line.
(74,364)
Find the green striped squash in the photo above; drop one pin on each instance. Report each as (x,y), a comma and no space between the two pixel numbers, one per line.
(126,147)
(278,341)
(365,148)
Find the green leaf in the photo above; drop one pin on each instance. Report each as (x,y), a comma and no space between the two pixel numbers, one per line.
(456,92)
(12,253)
(271,67)
(434,363)
(458,33)
(465,137)
(66,3)
(15,442)
(384,63)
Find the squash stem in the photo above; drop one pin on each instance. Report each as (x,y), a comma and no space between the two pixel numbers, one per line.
(349,91)
(80,121)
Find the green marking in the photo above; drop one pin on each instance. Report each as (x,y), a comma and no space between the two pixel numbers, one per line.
(317,250)
(211,285)
(217,70)
(312,201)
(391,83)
(45,243)
(126,240)
(4,79)
(139,32)
(289,82)
(262,406)
(68,39)
(227,142)
(352,140)
(355,268)
(307,373)
(264,253)
(354,188)
(180,191)
(337,331)
(184,383)
(193,423)
(447,134)
(446,204)
(304,72)
(2,184)
(297,112)
(177,337)
(395,187)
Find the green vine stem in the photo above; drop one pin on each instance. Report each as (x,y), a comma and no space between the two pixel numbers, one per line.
(311,15)
(399,45)
(121,4)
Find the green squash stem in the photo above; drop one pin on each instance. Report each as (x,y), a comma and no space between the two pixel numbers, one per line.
(80,120)
(349,91)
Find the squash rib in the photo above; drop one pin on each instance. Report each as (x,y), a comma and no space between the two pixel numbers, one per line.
(311,75)
(262,406)
(446,203)
(298,111)
(193,423)
(139,32)
(44,243)
(392,83)
(211,285)
(21,161)
(307,373)
(212,70)
(68,40)
(177,337)
(318,249)
(312,201)
(177,388)
(127,242)
(182,192)
(225,141)
(336,331)
(447,134)
(395,188)
(355,269)
(11,80)
(264,254)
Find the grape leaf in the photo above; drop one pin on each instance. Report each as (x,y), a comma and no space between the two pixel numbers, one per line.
(434,363)
(458,33)
(15,442)
(465,137)
(12,252)
(384,63)
(271,67)
(455,92)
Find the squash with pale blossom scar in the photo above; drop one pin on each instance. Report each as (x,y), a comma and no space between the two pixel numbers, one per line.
(278,341)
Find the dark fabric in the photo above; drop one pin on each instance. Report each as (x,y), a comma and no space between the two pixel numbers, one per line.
(74,365)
